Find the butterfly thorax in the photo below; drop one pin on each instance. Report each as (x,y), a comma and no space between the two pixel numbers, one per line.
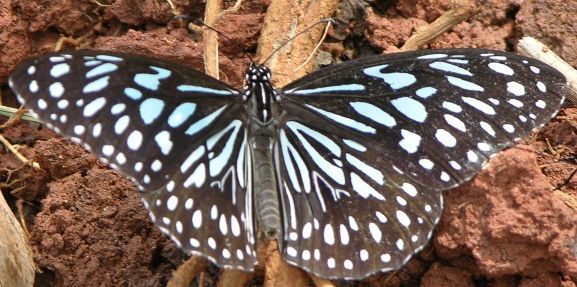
(259,95)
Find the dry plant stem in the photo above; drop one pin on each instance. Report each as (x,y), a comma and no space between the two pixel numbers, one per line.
(233,278)
(230,10)
(428,33)
(283,20)
(533,48)
(22,158)
(17,267)
(76,42)
(320,282)
(16,114)
(20,205)
(173,8)
(210,37)
(280,273)
(186,272)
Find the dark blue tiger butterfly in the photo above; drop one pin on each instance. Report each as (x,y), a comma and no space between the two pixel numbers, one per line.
(344,166)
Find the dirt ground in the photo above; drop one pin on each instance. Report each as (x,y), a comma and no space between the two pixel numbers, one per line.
(86,223)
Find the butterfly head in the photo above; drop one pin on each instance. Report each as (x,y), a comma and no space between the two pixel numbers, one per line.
(259,89)
(257,74)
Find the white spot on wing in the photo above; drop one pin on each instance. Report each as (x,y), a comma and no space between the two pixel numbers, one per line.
(411,108)
(410,141)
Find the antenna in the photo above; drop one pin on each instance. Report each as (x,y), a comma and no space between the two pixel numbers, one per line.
(201,23)
(326,20)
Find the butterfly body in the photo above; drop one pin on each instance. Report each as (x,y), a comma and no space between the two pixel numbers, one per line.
(259,95)
(345,166)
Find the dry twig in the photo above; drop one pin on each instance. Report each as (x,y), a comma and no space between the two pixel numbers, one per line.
(533,48)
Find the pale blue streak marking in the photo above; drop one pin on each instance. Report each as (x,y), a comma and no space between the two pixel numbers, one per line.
(93,107)
(102,69)
(455,122)
(92,63)
(181,114)
(499,58)
(446,67)
(344,120)
(192,158)
(319,137)
(198,89)
(241,165)
(395,80)
(374,113)
(204,122)
(109,58)
(479,105)
(501,68)
(151,81)
(150,110)
(355,145)
(368,170)
(59,70)
(217,164)
(331,170)
(465,85)
(56,59)
(340,88)
(432,56)
(133,93)
(96,86)
(364,189)
(287,150)
(411,108)
(452,107)
(425,92)
(458,61)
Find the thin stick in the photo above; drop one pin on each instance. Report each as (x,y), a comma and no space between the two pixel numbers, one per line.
(187,271)
(425,34)
(16,114)
(314,51)
(320,282)
(210,38)
(533,48)
(17,268)
(22,158)
(232,9)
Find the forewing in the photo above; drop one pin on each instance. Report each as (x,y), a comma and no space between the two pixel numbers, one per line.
(366,147)
(177,133)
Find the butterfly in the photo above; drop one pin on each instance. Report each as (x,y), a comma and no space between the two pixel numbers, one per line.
(345,167)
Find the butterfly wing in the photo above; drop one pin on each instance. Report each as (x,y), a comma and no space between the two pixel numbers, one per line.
(177,133)
(366,147)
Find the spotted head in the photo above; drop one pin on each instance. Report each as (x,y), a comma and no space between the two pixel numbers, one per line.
(256,74)
(260,91)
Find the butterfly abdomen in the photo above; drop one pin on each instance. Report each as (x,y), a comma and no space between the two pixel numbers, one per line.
(265,186)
